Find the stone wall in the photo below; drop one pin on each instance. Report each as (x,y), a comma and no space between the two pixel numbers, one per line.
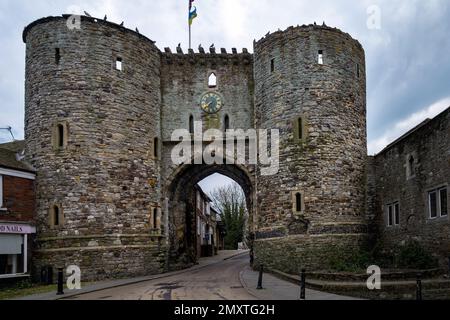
(429,144)
(328,164)
(106,179)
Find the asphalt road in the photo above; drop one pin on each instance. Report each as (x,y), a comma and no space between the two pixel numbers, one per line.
(214,282)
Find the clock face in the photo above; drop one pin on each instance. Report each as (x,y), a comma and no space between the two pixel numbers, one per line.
(211,102)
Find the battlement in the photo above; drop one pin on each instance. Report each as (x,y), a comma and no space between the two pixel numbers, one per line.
(100,21)
(304,28)
(202,57)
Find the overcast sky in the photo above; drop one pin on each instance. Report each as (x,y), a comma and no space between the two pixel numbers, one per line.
(408,60)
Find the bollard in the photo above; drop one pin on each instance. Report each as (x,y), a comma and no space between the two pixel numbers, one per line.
(419,287)
(303,285)
(60,281)
(260,278)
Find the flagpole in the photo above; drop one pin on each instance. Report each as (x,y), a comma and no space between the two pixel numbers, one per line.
(189,23)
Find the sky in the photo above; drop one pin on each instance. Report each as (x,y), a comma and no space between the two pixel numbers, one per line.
(406,44)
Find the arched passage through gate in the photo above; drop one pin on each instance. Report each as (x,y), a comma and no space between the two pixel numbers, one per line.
(181,208)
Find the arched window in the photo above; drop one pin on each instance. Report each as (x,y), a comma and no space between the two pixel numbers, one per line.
(191,124)
(226,122)
(212,80)
(156,148)
(60,136)
(298,202)
(56,216)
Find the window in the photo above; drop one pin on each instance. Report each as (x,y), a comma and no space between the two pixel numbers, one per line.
(300,132)
(57,56)
(358,72)
(298,205)
(272,65)
(60,136)
(410,171)
(56,216)
(212,80)
(227,122)
(13,258)
(191,124)
(438,203)
(298,202)
(155,218)
(119,64)
(393,214)
(320,57)
(156,148)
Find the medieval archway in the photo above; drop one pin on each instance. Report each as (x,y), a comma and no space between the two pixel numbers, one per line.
(180,195)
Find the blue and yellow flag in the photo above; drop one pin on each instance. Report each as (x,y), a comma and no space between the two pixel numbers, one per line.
(192,12)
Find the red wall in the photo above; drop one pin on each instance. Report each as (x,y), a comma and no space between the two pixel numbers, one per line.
(19,199)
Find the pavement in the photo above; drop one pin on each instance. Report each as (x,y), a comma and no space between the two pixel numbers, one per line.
(227,276)
(275,288)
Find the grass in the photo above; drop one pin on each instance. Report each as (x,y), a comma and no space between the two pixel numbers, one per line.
(17,292)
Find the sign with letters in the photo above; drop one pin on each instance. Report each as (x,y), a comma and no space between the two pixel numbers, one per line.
(16,228)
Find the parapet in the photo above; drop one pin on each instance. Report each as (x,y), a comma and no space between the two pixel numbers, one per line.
(305,28)
(202,57)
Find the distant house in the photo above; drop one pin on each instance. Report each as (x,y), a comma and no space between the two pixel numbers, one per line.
(17,212)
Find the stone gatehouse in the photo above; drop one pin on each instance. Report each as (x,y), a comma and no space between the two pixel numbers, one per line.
(102,103)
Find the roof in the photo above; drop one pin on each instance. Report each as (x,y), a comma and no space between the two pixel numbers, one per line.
(9,156)
(413,130)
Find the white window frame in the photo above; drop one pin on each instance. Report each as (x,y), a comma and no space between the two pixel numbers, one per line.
(392,206)
(25,261)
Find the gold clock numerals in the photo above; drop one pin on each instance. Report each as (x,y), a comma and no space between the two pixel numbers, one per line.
(211,103)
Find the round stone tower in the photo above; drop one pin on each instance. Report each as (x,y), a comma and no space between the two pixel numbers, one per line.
(92,130)
(310,83)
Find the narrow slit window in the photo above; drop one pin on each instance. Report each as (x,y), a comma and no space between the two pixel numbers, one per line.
(57,55)
(212,80)
(300,128)
(272,65)
(155,218)
(119,64)
(298,202)
(227,122)
(411,166)
(56,216)
(191,124)
(358,72)
(60,132)
(320,57)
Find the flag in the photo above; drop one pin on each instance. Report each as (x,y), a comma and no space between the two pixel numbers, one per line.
(190,4)
(192,15)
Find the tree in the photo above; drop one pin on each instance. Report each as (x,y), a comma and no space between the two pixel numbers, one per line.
(230,202)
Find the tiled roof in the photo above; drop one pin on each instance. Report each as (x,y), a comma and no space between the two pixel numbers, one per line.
(9,158)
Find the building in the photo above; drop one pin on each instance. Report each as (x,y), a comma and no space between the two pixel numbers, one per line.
(17,213)
(102,103)
(206,225)
(409,189)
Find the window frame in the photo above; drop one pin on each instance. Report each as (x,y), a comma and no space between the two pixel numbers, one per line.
(393,214)
(119,64)
(295,202)
(437,192)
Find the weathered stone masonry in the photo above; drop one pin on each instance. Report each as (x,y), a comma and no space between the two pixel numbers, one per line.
(107,178)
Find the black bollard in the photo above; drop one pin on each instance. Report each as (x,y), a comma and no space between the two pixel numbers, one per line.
(419,287)
(260,278)
(303,285)
(60,281)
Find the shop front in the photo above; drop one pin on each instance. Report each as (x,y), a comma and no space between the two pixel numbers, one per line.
(14,249)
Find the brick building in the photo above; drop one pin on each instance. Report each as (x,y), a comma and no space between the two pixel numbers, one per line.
(17,212)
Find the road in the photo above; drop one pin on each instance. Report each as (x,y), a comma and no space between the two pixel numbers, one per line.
(214,282)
